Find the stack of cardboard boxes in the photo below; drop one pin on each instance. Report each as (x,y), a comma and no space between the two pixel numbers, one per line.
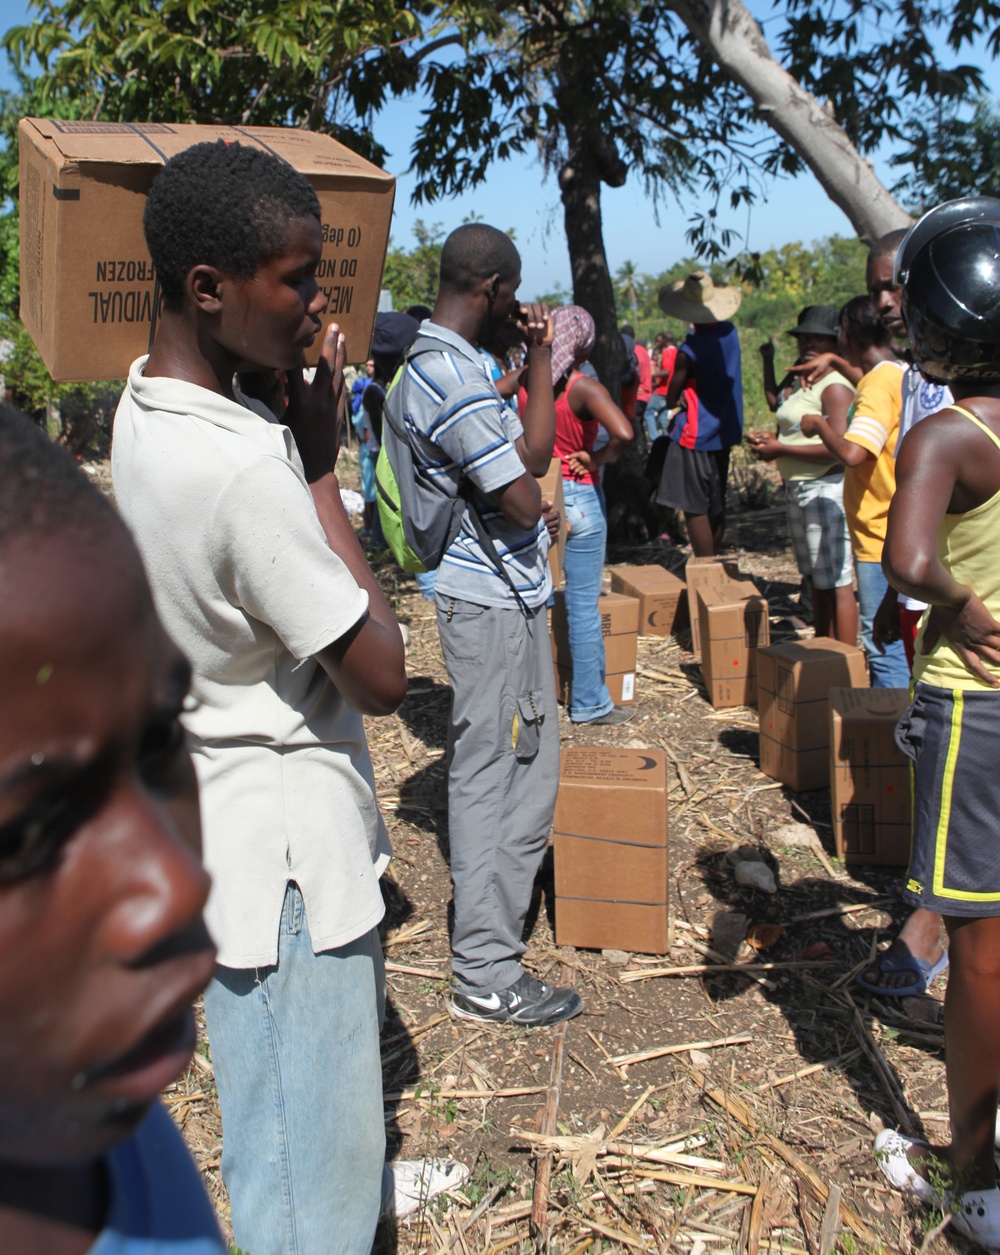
(551,486)
(611,856)
(729,623)
(794,680)
(619,628)
(661,595)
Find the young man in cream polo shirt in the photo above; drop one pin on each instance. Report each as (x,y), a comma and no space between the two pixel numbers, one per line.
(258,577)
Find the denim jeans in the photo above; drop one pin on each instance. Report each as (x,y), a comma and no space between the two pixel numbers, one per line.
(583,565)
(655,416)
(888,670)
(296,1055)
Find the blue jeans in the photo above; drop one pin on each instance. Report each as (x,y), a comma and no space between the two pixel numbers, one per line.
(296,1055)
(655,416)
(888,670)
(583,565)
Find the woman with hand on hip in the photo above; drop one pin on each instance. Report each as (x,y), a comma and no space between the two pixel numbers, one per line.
(583,407)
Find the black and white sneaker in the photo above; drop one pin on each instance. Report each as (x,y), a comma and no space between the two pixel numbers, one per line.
(529,1002)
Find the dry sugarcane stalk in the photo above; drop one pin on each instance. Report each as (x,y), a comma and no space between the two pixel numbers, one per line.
(830,1227)
(430,1091)
(703,969)
(813,1067)
(889,1083)
(543,1165)
(415,971)
(813,1180)
(656,1052)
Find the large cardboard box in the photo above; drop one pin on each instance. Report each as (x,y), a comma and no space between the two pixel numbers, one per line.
(619,626)
(662,597)
(734,623)
(702,573)
(611,857)
(87,282)
(551,485)
(793,697)
(869,776)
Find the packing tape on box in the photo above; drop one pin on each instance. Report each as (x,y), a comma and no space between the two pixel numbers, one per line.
(568,897)
(585,836)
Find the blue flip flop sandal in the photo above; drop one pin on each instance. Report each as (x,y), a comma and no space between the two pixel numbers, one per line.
(923,974)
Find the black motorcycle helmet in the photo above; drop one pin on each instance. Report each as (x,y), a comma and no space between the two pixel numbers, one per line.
(948,267)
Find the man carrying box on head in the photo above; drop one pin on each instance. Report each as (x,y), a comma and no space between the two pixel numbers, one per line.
(259,578)
(492,587)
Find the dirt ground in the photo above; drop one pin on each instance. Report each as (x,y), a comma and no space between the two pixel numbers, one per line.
(749,1126)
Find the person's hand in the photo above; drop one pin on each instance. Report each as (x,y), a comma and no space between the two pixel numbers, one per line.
(551,517)
(536,325)
(764,446)
(885,625)
(767,350)
(315,413)
(814,369)
(580,463)
(810,424)
(972,631)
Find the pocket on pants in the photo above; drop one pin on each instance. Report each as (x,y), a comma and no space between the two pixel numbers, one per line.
(525,733)
(460,628)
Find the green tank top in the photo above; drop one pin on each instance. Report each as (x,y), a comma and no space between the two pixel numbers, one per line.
(968,548)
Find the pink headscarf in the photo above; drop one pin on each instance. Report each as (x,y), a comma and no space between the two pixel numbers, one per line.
(572,340)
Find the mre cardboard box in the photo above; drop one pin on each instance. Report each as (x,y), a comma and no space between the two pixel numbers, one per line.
(619,624)
(869,776)
(87,282)
(702,573)
(734,624)
(551,485)
(662,597)
(793,697)
(611,860)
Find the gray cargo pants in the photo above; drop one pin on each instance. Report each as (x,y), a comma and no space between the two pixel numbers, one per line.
(503,775)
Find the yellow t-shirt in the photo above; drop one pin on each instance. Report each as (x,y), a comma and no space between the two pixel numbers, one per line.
(790,414)
(873,423)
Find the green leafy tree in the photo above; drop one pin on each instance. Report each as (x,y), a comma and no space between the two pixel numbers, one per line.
(412,277)
(949,155)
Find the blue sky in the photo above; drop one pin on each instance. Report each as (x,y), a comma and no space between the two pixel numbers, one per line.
(517,194)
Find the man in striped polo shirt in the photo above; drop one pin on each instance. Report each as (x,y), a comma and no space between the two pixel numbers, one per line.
(492,587)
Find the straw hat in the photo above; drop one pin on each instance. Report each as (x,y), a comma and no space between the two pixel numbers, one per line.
(697,299)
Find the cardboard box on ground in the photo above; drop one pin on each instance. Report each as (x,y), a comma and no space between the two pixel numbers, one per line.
(663,608)
(552,491)
(734,622)
(702,573)
(87,281)
(619,626)
(869,776)
(794,680)
(611,850)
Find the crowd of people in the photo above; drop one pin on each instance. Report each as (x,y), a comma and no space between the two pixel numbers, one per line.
(222,634)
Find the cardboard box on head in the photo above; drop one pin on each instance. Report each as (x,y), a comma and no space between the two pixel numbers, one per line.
(87,281)
(702,573)
(611,850)
(662,597)
(793,699)
(734,624)
(869,776)
(552,491)
(619,623)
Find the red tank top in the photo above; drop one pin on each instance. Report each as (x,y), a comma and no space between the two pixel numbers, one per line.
(573,434)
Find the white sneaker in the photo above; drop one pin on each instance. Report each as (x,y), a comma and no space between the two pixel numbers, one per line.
(890,1152)
(417,1181)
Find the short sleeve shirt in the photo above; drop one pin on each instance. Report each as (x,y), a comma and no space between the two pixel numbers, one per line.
(713,390)
(462,427)
(802,401)
(873,423)
(247,585)
(920,398)
(158,1204)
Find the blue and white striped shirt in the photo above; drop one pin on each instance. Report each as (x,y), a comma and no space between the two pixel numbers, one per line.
(461,426)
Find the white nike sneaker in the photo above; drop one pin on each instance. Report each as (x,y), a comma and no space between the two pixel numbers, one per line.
(417,1181)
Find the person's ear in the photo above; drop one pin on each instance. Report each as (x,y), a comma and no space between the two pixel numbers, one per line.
(492,285)
(204,288)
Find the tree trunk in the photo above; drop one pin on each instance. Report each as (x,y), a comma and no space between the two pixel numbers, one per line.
(727,30)
(590,161)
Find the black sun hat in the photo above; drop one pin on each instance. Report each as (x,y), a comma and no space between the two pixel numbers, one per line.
(816,320)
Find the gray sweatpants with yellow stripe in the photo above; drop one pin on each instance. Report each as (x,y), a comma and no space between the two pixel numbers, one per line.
(503,776)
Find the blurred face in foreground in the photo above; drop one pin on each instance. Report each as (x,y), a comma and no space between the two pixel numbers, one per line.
(101,884)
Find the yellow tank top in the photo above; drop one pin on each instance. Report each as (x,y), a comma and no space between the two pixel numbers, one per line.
(968,548)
